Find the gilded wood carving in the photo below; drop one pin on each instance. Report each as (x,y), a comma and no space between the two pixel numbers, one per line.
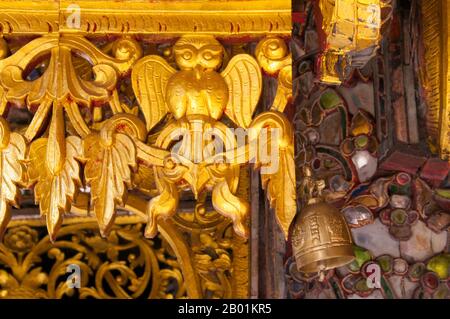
(87,151)
(207,156)
(435,72)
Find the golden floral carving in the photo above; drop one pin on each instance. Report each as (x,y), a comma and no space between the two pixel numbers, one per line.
(54,190)
(273,54)
(148,18)
(197,96)
(150,77)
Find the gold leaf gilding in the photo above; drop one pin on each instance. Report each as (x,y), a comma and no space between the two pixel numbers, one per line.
(12,152)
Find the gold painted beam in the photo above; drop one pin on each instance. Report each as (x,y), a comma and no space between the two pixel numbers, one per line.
(162,18)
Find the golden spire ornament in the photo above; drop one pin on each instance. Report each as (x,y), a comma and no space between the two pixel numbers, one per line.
(321,239)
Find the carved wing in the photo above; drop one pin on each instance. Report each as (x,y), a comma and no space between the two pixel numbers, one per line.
(149,79)
(243,77)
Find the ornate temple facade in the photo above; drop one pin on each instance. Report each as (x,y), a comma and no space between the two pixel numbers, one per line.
(224,149)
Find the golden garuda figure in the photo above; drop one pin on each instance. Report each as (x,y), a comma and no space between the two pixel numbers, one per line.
(198,151)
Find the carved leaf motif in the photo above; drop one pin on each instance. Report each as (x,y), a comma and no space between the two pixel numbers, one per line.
(280,189)
(11,172)
(232,207)
(108,171)
(54,192)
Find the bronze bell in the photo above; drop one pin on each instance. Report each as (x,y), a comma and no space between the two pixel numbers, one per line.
(321,239)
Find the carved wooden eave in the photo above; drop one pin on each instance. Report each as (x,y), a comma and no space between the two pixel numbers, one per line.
(158,18)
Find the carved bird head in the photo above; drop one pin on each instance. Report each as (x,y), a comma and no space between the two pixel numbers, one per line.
(198,52)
